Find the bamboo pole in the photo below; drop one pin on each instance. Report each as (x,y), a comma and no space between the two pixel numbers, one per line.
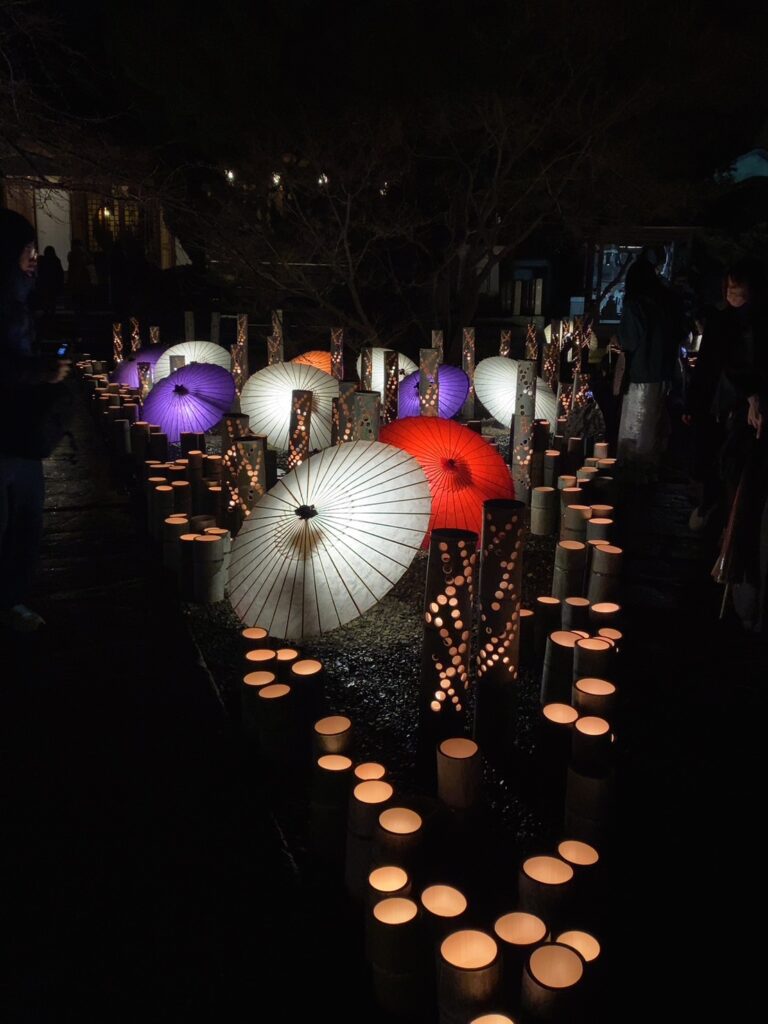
(518,934)
(459,773)
(557,672)
(332,735)
(468,975)
(544,886)
(300,425)
(568,576)
(545,511)
(522,430)
(468,366)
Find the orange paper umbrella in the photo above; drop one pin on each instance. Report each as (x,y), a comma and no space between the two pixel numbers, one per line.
(316,358)
(462,469)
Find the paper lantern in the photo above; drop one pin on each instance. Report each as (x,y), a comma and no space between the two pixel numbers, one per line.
(193,352)
(267,401)
(405,367)
(320,360)
(496,387)
(454,388)
(193,398)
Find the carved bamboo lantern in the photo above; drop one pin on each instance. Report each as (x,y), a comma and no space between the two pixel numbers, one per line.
(239,354)
(117,344)
(550,984)
(468,975)
(275,341)
(391,384)
(343,413)
(154,335)
(366,803)
(337,353)
(429,382)
(144,371)
(522,429)
(298,432)
(568,576)
(459,773)
(468,366)
(518,934)
(244,478)
(366,415)
(505,343)
(366,368)
(135,334)
(438,344)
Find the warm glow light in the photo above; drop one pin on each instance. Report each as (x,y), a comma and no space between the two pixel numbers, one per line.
(548,870)
(254,633)
(571,545)
(333,725)
(400,820)
(306,667)
(595,687)
(583,943)
(395,910)
(388,879)
(373,792)
(378,383)
(594,644)
(286,653)
(459,748)
(469,949)
(576,852)
(267,398)
(444,901)
(577,602)
(605,608)
(334,762)
(548,600)
(370,770)
(259,679)
(560,714)
(492,1018)
(563,637)
(260,655)
(520,929)
(608,633)
(591,725)
(275,691)
(556,966)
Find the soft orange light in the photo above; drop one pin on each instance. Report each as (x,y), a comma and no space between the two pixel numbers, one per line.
(373,792)
(275,691)
(591,725)
(564,638)
(259,679)
(395,910)
(469,949)
(548,870)
(601,521)
(525,613)
(370,770)
(520,929)
(595,687)
(260,655)
(286,653)
(400,820)
(560,714)
(333,725)
(388,879)
(459,748)
(306,667)
(556,966)
(492,1018)
(334,762)
(576,852)
(320,360)
(610,634)
(548,600)
(583,943)
(571,545)
(444,901)
(577,602)
(594,644)
(606,607)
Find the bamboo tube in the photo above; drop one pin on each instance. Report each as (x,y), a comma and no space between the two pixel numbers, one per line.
(600,450)
(518,934)
(544,511)
(370,771)
(212,467)
(582,942)
(546,620)
(574,453)
(585,861)
(392,935)
(202,523)
(550,984)
(566,480)
(276,723)
(554,742)
(251,683)
(614,635)
(387,881)
(157,446)
(544,884)
(527,636)
(139,440)
(366,415)
(586,473)
(208,569)
(391,384)
(332,780)
(182,497)
(443,906)
(604,489)
(492,1018)
(468,975)
(575,613)
(604,574)
(594,696)
(551,467)
(299,428)
(160,508)
(557,672)
(521,441)
(568,576)
(591,461)
(186,579)
(254,636)
(307,677)
(226,543)
(399,837)
(459,773)
(131,411)
(173,528)
(468,366)
(575,522)
(176,472)
(539,441)
(604,613)
(592,740)
(599,528)
(332,735)
(367,801)
(606,465)
(429,381)
(602,511)
(286,658)
(593,657)
(191,441)
(153,468)
(570,496)
(261,658)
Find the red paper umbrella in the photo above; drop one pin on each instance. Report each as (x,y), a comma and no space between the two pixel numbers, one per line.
(320,360)
(462,469)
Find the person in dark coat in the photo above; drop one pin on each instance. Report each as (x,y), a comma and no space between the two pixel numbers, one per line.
(21,478)
(50,280)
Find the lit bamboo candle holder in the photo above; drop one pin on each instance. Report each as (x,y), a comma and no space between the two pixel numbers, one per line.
(276,723)
(544,885)
(332,781)
(492,1018)
(443,907)
(182,497)
(160,508)
(601,511)
(185,575)
(251,683)
(547,617)
(208,569)
(367,801)
(604,613)
(307,677)
(574,453)
(387,881)
(332,735)
(527,636)
(459,773)
(518,934)
(550,984)
(195,462)
(604,488)
(370,771)
(212,467)
(286,659)
(600,450)
(566,481)
(468,975)
(215,503)
(586,864)
(594,696)
(399,837)
(157,445)
(262,659)
(544,511)
(253,637)
(606,465)
(551,467)
(393,948)
(570,496)
(592,740)
(599,528)
(557,673)
(173,528)
(568,575)
(202,523)
(593,657)
(575,613)
(614,635)
(131,411)
(226,547)
(604,574)
(575,521)
(191,441)
(121,437)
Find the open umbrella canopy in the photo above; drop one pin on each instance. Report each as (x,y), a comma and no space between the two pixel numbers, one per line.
(462,469)
(320,360)
(496,386)
(193,398)
(329,540)
(127,371)
(193,352)
(405,366)
(266,399)
(453,386)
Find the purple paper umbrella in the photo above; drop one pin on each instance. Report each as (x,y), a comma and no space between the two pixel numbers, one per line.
(127,372)
(194,397)
(454,388)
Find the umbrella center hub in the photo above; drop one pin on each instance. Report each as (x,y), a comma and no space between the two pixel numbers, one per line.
(306,511)
(459,472)
(179,389)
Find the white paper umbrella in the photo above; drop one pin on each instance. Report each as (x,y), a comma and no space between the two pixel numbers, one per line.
(404,365)
(193,352)
(496,384)
(329,540)
(266,399)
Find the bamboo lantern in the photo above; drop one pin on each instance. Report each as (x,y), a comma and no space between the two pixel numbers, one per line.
(547,618)
(307,681)
(594,696)
(144,371)
(212,467)
(176,362)
(544,885)
(492,1018)
(604,488)
(131,412)
(505,343)
(602,511)
(522,429)
(545,511)
(387,881)
(370,771)
(442,907)
(232,427)
(600,450)
(585,861)
(117,344)
(558,438)
(226,542)
(586,474)
(157,445)
(286,659)
(332,735)
(614,635)
(468,366)
(468,977)
(176,471)
(262,659)
(592,740)
(551,467)
(239,353)
(366,415)
(574,453)
(201,523)
(189,325)
(113,388)
(337,353)
(254,637)
(392,946)
(366,803)
(557,672)
(459,773)
(185,578)
(565,480)
(182,497)
(599,528)
(554,735)
(568,576)
(527,636)
(173,528)
(579,855)
(570,496)
(498,656)
(575,522)
(160,508)
(604,613)
(331,780)
(135,334)
(214,503)
(208,569)
(448,604)
(429,382)
(604,574)
(244,478)
(276,723)
(366,368)
(606,466)
(518,934)
(593,657)
(550,984)
(154,335)
(298,433)
(342,414)
(399,837)
(391,384)
(275,341)
(575,614)
(251,683)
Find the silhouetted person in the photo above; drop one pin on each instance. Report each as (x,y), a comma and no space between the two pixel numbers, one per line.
(50,280)
(79,281)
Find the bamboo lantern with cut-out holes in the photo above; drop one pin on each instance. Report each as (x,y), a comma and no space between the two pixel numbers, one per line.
(332,735)
(498,656)
(505,343)
(392,943)
(385,882)
(232,427)
(429,382)
(545,884)
(366,368)
(337,353)
(448,604)
(399,838)
(135,334)
(275,340)
(154,335)
(239,353)
(343,414)
(518,934)
(298,431)
(391,385)
(521,441)
(594,696)
(144,373)
(173,528)
(604,574)
(459,773)
(208,569)
(574,522)
(157,445)
(575,614)
(469,975)
(117,344)
(527,637)
(366,415)
(545,511)
(551,984)
(368,799)
(551,467)
(468,366)
(244,478)
(250,685)
(547,619)
(568,575)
